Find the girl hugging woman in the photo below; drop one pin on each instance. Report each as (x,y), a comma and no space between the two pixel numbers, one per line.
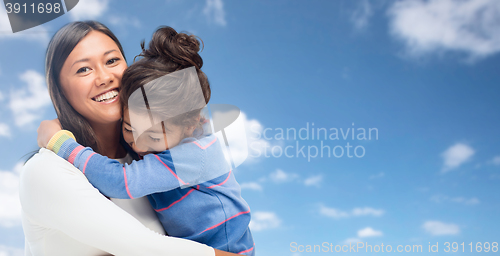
(181,166)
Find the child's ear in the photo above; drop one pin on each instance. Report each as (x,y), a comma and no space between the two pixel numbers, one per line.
(189,130)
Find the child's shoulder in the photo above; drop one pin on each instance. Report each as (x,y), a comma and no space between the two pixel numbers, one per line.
(203,142)
(193,147)
(207,147)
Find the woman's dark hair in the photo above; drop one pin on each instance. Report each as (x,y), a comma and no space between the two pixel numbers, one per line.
(60,46)
(168,52)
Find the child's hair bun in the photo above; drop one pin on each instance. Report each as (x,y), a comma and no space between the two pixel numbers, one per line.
(170,46)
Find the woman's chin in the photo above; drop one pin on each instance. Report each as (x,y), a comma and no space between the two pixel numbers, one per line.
(106,118)
(106,111)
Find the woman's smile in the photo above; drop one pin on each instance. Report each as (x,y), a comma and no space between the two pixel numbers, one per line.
(107,97)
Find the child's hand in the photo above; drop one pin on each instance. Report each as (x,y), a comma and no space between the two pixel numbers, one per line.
(46,130)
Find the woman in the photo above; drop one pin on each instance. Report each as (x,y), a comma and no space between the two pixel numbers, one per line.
(62,213)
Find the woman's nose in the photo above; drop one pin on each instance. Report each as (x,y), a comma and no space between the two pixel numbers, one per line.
(104,76)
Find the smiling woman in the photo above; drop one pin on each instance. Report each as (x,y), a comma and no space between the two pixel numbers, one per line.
(85,62)
(90,80)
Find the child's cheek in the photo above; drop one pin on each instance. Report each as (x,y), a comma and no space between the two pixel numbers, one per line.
(128,137)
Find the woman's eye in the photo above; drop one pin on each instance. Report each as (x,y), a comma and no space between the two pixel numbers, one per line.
(82,70)
(127,130)
(155,139)
(112,61)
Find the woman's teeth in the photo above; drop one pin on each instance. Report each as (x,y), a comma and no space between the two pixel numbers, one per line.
(106,96)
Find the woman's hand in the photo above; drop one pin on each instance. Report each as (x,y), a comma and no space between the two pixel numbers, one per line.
(223,253)
(46,130)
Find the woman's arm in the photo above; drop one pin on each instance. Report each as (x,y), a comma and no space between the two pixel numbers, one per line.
(56,195)
(183,165)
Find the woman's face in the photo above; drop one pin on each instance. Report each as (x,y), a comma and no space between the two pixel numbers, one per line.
(90,78)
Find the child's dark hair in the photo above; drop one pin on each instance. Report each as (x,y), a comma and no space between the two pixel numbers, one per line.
(168,51)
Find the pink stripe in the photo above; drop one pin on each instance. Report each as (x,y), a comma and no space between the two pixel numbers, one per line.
(85,165)
(126,184)
(222,183)
(216,225)
(73,154)
(173,173)
(208,145)
(248,250)
(182,198)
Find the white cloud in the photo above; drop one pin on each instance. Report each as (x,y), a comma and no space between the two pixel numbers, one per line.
(124,21)
(367,211)
(496,160)
(10,212)
(251,186)
(470,201)
(11,251)
(455,156)
(437,228)
(39,33)
(439,198)
(362,14)
(214,10)
(27,104)
(280,176)
(363,233)
(314,180)
(332,212)
(469,26)
(89,9)
(4,130)
(264,220)
(376,176)
(369,232)
(356,212)
(255,145)
(1,96)
(352,240)
(462,200)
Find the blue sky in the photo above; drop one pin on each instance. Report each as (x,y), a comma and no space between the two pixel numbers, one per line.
(423,73)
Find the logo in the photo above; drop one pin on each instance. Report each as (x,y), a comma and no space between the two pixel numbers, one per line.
(229,127)
(28,14)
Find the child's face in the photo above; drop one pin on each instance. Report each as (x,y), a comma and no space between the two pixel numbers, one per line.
(150,139)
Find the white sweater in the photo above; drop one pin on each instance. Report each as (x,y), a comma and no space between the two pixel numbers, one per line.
(63,214)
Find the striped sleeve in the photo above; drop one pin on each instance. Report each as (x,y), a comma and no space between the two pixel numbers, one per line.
(155,173)
(63,143)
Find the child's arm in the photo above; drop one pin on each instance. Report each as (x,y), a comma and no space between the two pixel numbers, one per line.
(153,174)
(183,165)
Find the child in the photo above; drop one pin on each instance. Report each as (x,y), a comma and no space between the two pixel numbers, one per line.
(182,169)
